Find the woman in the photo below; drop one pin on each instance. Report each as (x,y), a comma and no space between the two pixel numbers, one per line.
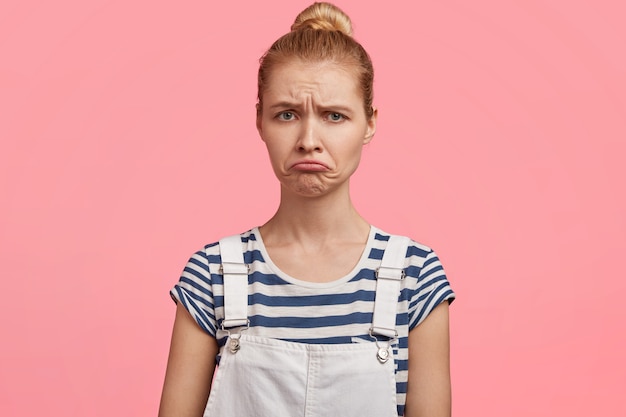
(316,312)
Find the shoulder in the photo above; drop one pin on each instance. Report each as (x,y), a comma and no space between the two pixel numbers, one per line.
(426,281)
(417,253)
(208,257)
(210,253)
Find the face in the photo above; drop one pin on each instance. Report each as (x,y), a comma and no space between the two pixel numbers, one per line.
(314,126)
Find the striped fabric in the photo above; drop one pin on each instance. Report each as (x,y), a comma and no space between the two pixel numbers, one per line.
(340,311)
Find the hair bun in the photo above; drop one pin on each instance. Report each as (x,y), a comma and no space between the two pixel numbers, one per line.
(323,16)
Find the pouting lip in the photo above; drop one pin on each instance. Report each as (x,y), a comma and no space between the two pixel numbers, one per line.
(310,162)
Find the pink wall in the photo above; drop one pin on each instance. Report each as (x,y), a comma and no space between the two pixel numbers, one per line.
(501,143)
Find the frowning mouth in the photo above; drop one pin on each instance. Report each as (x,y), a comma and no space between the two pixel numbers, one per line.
(310,165)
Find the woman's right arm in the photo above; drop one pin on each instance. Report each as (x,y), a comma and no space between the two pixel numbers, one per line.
(190,368)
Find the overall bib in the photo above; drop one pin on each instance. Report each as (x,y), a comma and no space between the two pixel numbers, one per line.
(264,377)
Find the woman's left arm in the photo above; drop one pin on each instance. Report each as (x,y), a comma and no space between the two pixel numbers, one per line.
(428,390)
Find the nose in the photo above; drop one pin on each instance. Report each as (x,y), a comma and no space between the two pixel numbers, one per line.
(309,139)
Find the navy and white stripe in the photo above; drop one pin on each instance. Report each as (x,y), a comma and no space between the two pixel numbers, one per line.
(282,307)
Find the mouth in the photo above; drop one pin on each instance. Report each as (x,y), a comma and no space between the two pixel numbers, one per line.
(310,165)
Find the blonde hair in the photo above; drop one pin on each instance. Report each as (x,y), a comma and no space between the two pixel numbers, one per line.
(321,33)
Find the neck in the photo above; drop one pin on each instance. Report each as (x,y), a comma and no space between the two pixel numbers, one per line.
(321,219)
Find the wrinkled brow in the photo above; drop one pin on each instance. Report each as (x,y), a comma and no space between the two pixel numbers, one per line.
(292,105)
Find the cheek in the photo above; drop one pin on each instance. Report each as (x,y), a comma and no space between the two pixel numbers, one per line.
(275,153)
(355,150)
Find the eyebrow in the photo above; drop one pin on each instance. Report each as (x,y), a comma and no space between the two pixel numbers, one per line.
(290,105)
(284,105)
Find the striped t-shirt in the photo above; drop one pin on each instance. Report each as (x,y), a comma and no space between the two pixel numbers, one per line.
(341,311)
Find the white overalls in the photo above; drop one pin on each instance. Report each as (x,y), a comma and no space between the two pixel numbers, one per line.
(264,377)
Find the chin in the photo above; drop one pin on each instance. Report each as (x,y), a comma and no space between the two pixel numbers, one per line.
(309,188)
(310,191)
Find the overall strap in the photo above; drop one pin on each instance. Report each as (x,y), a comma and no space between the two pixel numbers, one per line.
(389,276)
(235,273)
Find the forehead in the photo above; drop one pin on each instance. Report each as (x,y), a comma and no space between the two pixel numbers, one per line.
(324,80)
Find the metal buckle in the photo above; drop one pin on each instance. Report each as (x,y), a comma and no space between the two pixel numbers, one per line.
(228,331)
(236,269)
(392,273)
(233,339)
(382,353)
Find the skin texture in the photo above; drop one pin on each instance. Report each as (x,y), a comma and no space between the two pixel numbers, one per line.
(190,368)
(314,126)
(429,367)
(314,112)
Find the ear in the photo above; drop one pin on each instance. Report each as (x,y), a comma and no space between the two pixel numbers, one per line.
(371,127)
(259,125)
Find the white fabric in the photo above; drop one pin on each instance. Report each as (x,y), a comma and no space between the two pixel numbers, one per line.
(274,378)
(235,282)
(264,377)
(282,307)
(389,276)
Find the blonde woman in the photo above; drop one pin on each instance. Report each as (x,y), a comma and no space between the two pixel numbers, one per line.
(316,312)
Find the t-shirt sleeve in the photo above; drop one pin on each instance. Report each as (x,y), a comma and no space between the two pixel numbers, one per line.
(432,289)
(194,291)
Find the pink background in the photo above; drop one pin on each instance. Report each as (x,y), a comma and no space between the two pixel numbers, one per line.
(128,142)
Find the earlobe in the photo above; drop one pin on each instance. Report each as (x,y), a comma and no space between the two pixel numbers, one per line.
(371,127)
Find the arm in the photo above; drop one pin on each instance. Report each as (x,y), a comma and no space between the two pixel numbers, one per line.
(190,368)
(428,390)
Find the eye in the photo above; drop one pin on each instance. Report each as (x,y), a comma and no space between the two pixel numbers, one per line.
(285,115)
(336,117)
